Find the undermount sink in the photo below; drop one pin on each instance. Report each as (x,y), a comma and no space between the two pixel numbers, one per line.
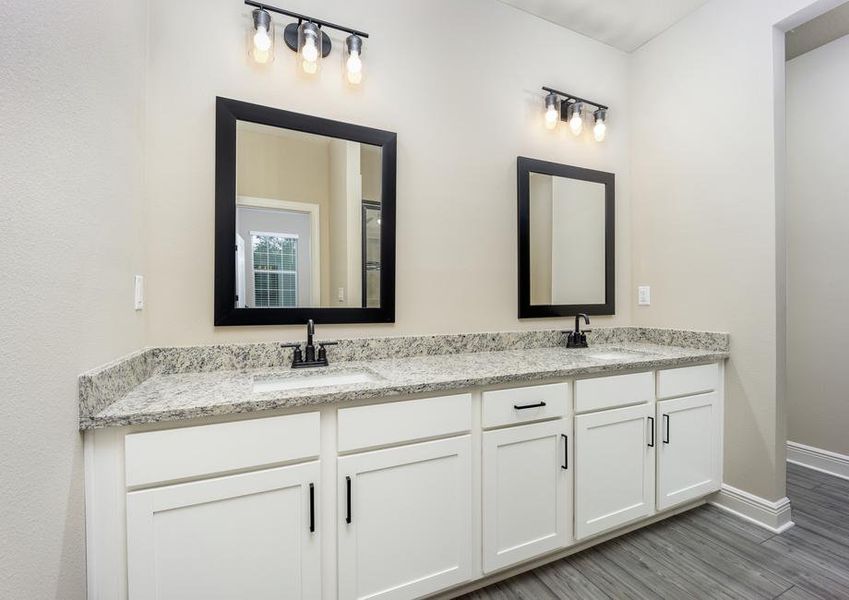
(618,354)
(302,380)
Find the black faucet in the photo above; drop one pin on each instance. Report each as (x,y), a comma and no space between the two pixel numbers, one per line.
(307,357)
(578,338)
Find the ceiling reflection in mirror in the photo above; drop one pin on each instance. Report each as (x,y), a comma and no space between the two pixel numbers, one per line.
(308,215)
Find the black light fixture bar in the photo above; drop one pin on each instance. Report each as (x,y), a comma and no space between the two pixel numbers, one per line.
(301,17)
(574,98)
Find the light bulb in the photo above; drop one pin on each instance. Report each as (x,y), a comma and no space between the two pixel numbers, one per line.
(262,41)
(261,56)
(600,128)
(576,121)
(354,62)
(599,131)
(551,117)
(354,68)
(310,68)
(551,113)
(310,51)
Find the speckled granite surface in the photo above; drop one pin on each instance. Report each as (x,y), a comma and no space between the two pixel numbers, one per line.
(167,384)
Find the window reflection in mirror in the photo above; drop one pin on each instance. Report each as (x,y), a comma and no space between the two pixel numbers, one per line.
(307,220)
(567,241)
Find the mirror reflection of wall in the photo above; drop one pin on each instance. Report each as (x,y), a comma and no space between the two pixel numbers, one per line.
(300,235)
(567,240)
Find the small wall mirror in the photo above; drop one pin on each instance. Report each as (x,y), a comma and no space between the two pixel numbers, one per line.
(305,219)
(566,240)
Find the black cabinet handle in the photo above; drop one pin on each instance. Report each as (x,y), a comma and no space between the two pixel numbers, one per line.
(565,451)
(666,429)
(312,508)
(651,445)
(348,499)
(524,406)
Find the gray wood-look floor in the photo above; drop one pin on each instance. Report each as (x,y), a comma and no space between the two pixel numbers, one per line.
(707,553)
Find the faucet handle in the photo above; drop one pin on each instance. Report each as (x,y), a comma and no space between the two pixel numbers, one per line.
(297,355)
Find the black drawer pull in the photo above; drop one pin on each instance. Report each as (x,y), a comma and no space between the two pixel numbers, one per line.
(524,406)
(348,500)
(312,508)
(565,452)
(651,445)
(666,428)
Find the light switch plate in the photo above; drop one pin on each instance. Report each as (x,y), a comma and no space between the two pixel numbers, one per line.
(644,295)
(138,292)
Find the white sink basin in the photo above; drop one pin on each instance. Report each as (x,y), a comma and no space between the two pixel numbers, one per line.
(299,381)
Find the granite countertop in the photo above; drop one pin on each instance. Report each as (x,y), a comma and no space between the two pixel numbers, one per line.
(178,396)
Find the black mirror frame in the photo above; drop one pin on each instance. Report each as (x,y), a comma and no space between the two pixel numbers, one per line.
(228,112)
(526,166)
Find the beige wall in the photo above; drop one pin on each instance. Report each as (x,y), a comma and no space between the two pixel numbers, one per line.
(370,165)
(578,250)
(707,221)
(345,216)
(71,171)
(817,247)
(540,213)
(462,111)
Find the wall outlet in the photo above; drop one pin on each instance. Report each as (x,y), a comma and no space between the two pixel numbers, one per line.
(138,292)
(340,294)
(644,295)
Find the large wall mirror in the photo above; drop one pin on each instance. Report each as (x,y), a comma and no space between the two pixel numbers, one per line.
(566,240)
(305,219)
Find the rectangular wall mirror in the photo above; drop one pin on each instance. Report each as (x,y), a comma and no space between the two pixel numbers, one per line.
(566,240)
(305,219)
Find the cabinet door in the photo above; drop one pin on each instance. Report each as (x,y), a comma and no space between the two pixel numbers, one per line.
(527,503)
(405,520)
(688,460)
(242,536)
(614,468)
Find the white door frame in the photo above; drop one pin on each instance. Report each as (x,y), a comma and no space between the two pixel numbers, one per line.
(315,232)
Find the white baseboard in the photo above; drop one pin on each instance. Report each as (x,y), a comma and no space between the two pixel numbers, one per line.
(818,459)
(774,516)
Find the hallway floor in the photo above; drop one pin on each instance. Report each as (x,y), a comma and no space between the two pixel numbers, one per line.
(707,553)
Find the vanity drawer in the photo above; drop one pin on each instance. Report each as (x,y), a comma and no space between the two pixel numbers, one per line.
(522,405)
(401,422)
(158,456)
(610,392)
(686,381)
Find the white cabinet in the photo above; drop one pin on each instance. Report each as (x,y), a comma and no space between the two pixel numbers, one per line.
(241,536)
(405,520)
(614,468)
(688,459)
(527,492)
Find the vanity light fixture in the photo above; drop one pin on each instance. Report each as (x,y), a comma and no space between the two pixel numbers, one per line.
(572,109)
(307,38)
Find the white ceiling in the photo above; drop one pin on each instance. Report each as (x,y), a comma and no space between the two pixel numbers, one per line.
(623,24)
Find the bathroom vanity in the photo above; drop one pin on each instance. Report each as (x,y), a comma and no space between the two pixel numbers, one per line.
(394,477)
